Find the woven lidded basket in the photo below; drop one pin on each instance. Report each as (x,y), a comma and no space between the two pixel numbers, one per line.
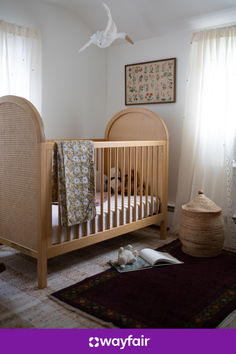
(201,227)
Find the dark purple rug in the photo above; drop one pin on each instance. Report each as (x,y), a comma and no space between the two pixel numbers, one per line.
(197,294)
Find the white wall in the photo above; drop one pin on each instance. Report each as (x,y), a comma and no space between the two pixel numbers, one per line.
(81,92)
(74,85)
(172,45)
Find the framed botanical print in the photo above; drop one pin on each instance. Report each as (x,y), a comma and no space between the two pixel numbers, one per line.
(150,82)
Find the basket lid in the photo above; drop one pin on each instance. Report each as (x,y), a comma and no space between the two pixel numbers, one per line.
(201,204)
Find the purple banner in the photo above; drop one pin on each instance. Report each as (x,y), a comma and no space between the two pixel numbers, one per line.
(65,341)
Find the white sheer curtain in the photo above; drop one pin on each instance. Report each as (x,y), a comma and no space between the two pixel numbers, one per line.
(20,62)
(209,127)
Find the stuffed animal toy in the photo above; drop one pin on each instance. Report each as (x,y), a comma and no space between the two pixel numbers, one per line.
(127,255)
(98,182)
(113,179)
(132,184)
(113,174)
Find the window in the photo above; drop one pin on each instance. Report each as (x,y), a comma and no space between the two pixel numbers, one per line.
(209,129)
(20,62)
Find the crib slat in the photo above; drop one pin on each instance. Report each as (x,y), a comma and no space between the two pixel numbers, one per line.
(164,186)
(147,181)
(102,187)
(141,185)
(95,186)
(49,161)
(68,233)
(77,231)
(116,185)
(152,185)
(161,175)
(95,167)
(158,176)
(109,189)
(129,183)
(123,186)
(59,228)
(135,181)
(93,226)
(86,228)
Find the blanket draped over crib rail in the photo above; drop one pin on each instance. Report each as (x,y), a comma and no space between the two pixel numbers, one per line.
(74,166)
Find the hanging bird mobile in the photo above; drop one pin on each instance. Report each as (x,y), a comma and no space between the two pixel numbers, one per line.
(105,38)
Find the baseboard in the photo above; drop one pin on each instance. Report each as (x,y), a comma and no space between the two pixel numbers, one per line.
(171,208)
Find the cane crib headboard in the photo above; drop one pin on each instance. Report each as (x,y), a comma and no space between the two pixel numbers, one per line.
(136,123)
(21,135)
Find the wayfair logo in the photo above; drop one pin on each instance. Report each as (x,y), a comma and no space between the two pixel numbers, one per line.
(93,341)
(119,342)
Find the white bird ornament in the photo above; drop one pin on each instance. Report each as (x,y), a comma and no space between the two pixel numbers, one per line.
(104,38)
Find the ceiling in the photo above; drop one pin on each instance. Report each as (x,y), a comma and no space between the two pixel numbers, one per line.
(143,19)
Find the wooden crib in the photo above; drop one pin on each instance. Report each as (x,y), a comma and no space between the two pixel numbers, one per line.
(135,146)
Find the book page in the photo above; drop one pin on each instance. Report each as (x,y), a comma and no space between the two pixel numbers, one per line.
(153,257)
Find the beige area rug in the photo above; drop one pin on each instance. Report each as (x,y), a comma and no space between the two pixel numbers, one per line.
(23,305)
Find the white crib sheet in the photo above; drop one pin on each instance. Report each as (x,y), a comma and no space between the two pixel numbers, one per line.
(105,216)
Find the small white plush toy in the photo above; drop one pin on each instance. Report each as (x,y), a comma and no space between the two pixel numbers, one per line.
(127,255)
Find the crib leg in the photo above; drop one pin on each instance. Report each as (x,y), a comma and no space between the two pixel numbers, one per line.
(42,272)
(163,229)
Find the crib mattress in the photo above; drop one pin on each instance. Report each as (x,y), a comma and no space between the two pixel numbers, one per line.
(105,216)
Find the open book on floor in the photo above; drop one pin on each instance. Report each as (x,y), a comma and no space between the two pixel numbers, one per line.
(147,258)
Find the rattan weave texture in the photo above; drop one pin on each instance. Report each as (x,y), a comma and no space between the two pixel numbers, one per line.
(201,227)
(20,138)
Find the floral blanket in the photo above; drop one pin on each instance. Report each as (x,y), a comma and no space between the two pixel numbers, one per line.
(74,165)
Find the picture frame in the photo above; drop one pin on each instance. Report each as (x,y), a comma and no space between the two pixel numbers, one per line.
(150,82)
